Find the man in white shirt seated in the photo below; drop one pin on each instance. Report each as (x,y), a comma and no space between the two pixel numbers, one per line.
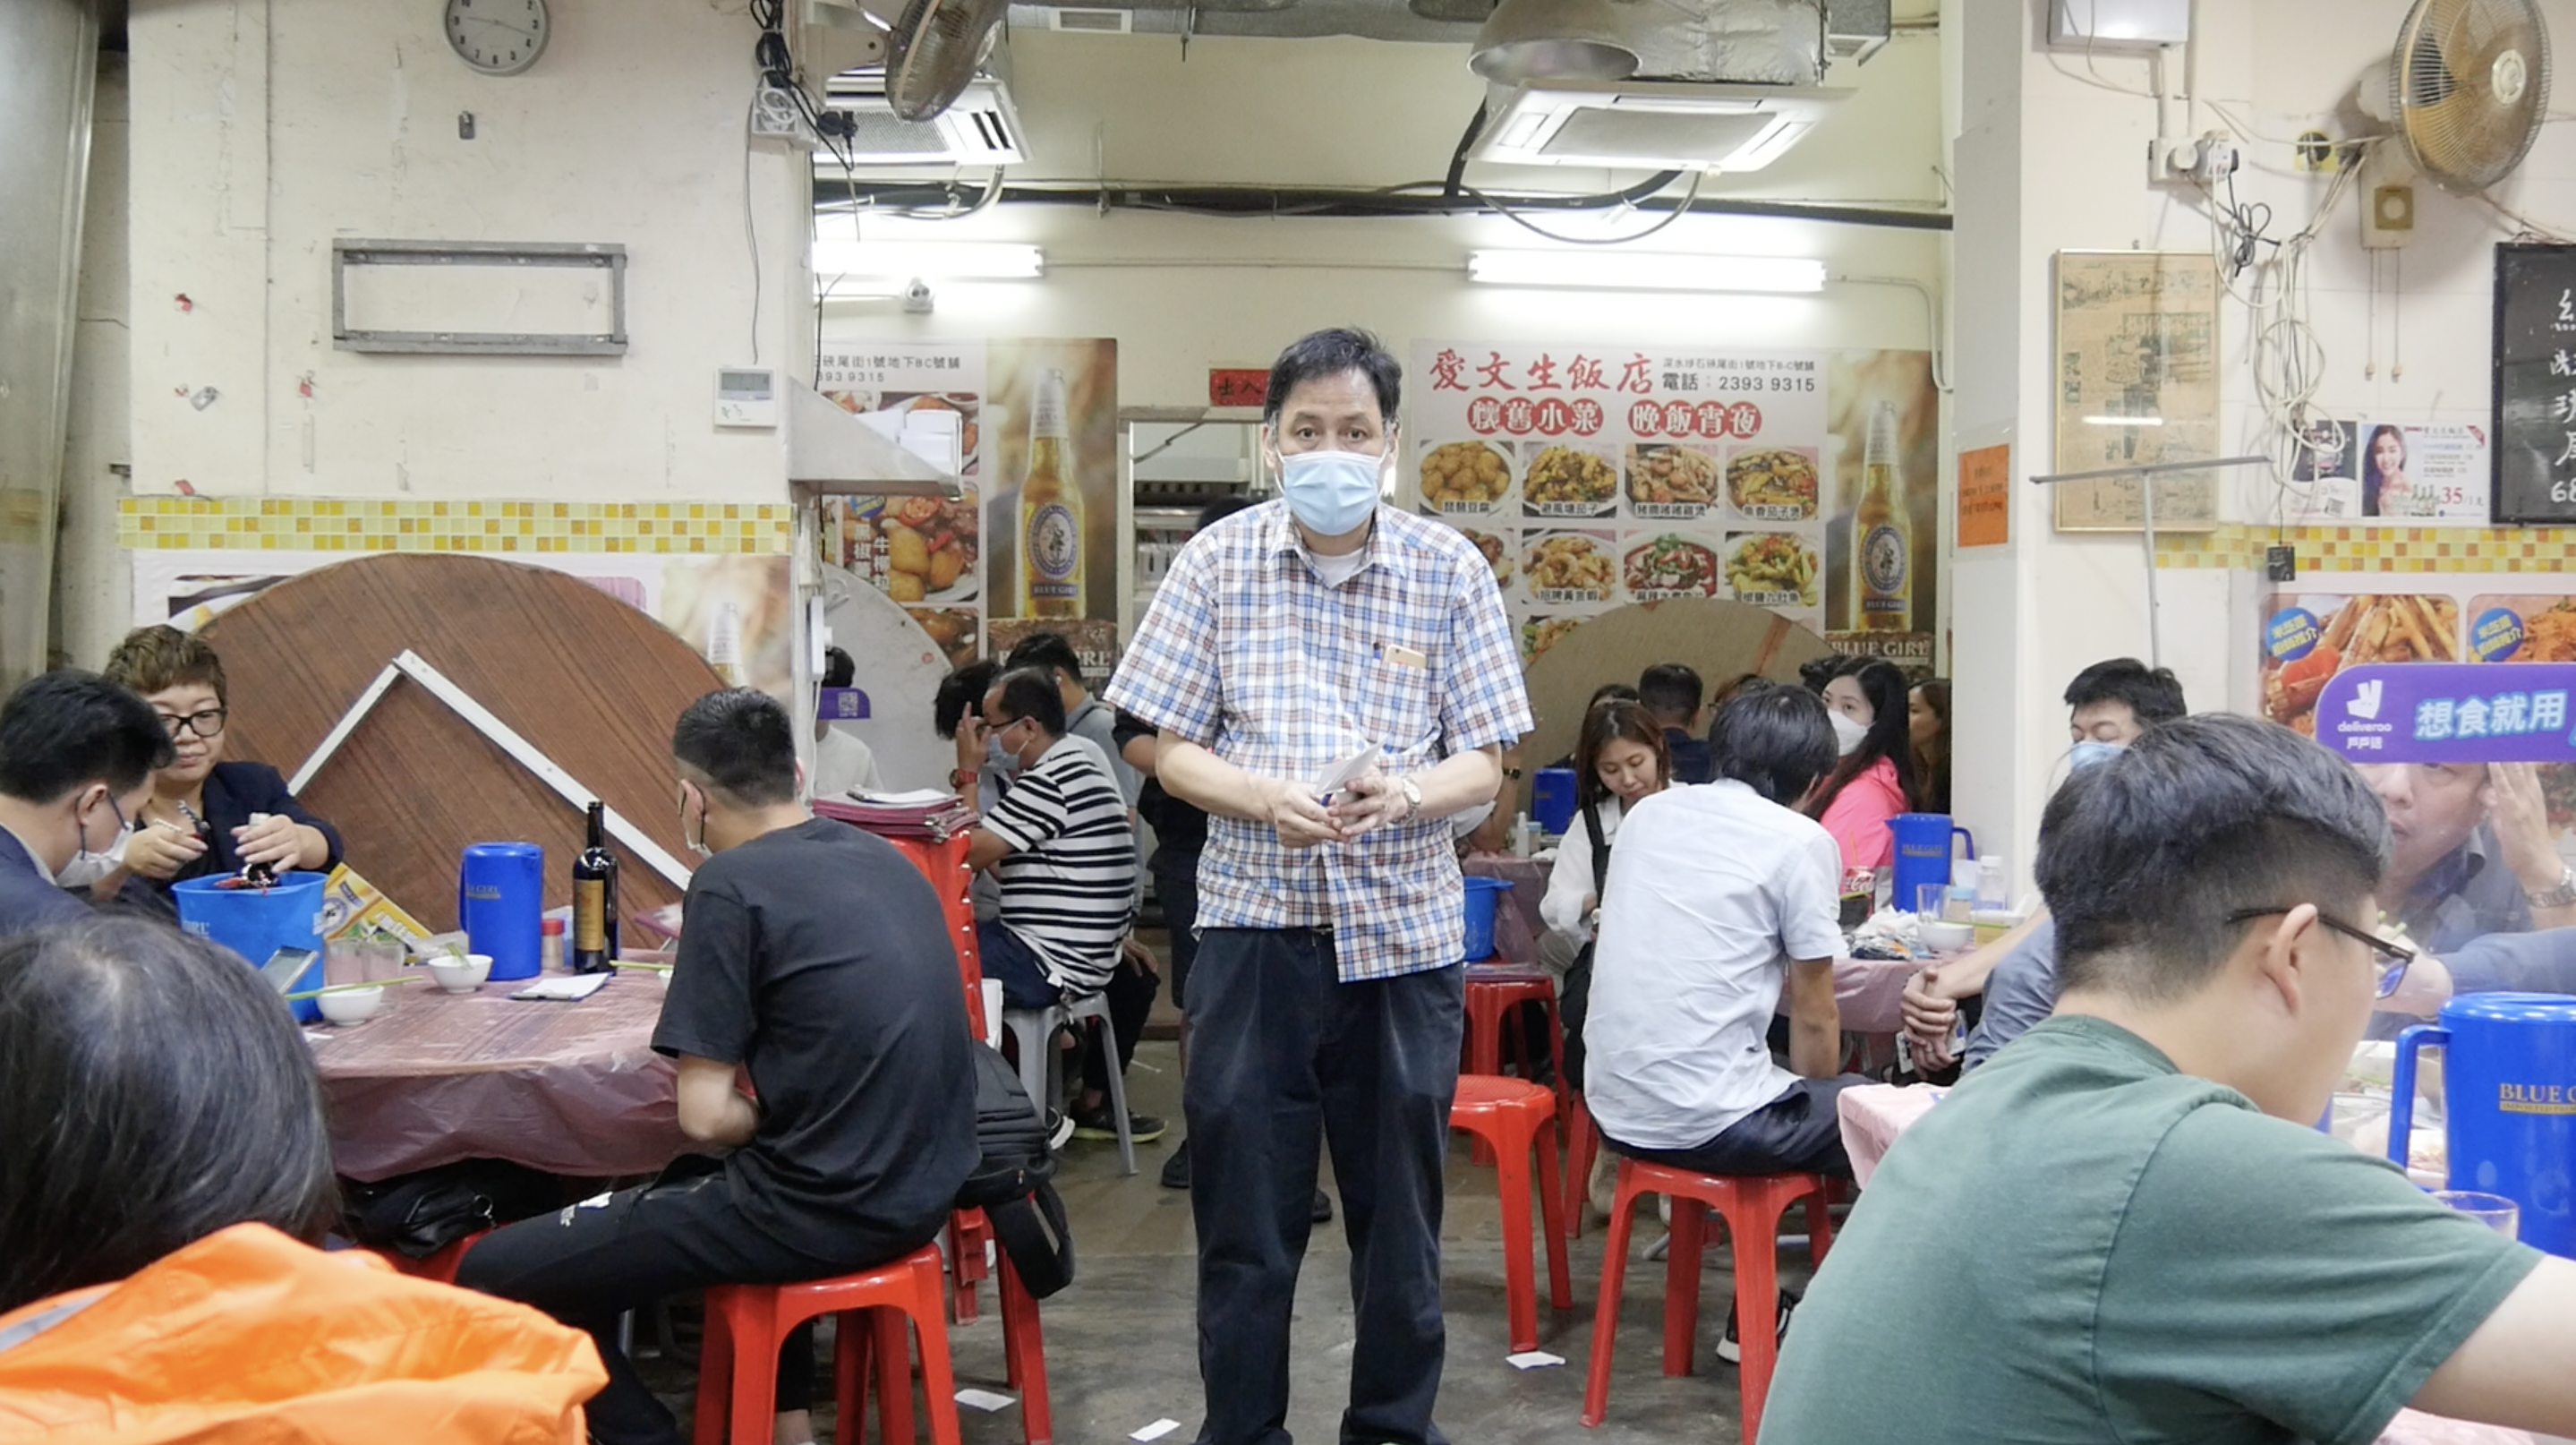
(843,761)
(1719,898)
(1059,845)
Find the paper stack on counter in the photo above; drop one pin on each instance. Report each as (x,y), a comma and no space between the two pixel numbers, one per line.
(921,813)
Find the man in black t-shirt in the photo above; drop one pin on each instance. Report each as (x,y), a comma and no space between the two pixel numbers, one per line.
(852,1039)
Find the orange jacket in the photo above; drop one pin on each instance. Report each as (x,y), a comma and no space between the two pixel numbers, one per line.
(247,1336)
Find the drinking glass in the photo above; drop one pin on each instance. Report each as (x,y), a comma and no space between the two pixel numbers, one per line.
(2492,1210)
(1930,899)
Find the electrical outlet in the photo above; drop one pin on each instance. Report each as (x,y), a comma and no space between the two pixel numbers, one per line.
(2281,564)
(2387,217)
(774,116)
(2215,161)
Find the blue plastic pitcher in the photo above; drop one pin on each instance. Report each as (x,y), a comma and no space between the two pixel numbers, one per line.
(2509,1095)
(500,900)
(1923,852)
(1552,799)
(257,922)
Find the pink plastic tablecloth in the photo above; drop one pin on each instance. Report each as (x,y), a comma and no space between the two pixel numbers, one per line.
(570,1088)
(1874,1114)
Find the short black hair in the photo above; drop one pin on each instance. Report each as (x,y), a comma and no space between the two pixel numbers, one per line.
(839,670)
(739,743)
(1220,509)
(1047,649)
(2143,858)
(1604,725)
(1671,692)
(1030,692)
(1774,740)
(1334,352)
(152,1091)
(961,695)
(2153,693)
(66,729)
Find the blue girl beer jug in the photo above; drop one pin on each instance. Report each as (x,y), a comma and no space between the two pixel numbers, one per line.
(2509,1095)
(1552,800)
(1923,852)
(500,900)
(257,922)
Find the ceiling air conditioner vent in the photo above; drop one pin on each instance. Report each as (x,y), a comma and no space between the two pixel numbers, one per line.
(981,129)
(1651,125)
(1096,22)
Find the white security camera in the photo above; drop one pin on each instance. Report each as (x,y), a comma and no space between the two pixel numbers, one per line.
(918,299)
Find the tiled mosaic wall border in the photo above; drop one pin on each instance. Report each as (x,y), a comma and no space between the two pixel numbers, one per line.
(325,524)
(2378,549)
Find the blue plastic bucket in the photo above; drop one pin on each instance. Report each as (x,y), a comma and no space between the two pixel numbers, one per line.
(1483,896)
(500,901)
(1552,799)
(257,922)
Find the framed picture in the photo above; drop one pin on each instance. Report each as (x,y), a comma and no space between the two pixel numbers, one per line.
(2137,384)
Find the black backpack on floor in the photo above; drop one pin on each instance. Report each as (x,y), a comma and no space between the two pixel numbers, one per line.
(1010,1182)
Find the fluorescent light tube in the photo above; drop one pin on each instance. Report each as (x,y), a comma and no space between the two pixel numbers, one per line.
(949,260)
(1626,270)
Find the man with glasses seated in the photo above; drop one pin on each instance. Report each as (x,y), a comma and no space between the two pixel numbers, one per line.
(2187,1257)
(76,759)
(206,817)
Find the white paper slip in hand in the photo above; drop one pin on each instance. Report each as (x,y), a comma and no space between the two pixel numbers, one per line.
(984,1400)
(1157,1430)
(1345,770)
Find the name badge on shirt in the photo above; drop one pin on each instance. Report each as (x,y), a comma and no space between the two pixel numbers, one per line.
(1400,655)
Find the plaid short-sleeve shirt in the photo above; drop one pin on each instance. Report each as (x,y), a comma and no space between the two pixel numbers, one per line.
(1248,652)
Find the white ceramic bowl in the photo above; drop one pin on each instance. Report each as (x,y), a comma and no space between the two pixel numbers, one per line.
(355,1006)
(460,975)
(1943,937)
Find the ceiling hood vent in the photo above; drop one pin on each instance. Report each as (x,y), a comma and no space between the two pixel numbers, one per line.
(1090,21)
(981,129)
(1651,125)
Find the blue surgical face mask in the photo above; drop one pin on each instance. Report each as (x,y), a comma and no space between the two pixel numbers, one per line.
(1333,493)
(2091,753)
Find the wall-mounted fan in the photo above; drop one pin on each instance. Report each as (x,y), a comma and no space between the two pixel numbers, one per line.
(2468,86)
(927,49)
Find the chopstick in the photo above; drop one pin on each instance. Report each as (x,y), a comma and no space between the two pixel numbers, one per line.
(641,967)
(351,987)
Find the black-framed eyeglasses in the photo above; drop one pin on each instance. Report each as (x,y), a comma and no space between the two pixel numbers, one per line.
(2396,956)
(207,724)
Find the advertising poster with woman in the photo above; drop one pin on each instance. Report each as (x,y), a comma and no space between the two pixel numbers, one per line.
(2413,472)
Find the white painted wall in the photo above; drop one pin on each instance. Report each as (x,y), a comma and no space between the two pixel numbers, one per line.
(264,128)
(92,590)
(2051,157)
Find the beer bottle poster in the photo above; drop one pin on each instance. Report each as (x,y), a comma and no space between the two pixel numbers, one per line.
(1597,475)
(1039,439)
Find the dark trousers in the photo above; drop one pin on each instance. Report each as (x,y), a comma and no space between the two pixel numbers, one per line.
(1129,993)
(1280,1050)
(1176,887)
(587,1266)
(1797,1133)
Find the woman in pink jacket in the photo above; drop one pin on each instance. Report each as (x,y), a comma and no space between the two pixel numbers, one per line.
(1866,703)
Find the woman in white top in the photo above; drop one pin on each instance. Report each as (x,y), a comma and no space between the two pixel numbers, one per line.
(1620,758)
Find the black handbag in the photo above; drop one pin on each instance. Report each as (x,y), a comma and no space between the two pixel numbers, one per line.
(418,1214)
(1575,1000)
(1011,1179)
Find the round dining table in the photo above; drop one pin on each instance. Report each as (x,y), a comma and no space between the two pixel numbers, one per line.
(569,1088)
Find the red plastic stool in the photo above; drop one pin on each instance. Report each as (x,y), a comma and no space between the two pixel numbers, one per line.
(738,1363)
(1489,1000)
(1512,1115)
(968,1235)
(1024,1354)
(1752,1205)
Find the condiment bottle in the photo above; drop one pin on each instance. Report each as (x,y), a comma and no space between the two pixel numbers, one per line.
(550,948)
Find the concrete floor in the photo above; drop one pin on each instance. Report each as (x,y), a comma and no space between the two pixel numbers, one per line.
(1122,1344)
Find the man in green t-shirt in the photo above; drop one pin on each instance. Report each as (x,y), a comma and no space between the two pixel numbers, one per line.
(2123,1228)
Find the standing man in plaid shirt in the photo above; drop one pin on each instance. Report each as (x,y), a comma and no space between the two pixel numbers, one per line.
(1328,991)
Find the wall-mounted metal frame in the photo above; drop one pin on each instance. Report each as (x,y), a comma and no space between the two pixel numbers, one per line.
(597,255)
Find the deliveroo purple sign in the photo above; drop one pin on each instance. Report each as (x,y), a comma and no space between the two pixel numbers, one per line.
(2445,712)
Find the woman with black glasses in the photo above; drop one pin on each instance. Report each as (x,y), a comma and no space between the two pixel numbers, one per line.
(207,816)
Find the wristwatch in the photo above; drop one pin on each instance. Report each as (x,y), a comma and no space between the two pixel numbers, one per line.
(1413,796)
(2558,897)
(960,777)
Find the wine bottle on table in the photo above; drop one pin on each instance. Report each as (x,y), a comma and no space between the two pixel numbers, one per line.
(594,899)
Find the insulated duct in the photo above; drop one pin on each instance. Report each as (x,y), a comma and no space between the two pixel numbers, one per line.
(48,73)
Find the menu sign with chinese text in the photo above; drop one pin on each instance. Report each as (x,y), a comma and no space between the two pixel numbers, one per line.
(1598,475)
(2535,384)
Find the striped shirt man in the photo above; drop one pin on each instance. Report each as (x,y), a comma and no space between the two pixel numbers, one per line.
(1069,882)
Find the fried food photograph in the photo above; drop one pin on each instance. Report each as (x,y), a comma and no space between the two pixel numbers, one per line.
(951,629)
(929,545)
(2548,636)
(1571,476)
(1569,569)
(1671,475)
(1671,566)
(1472,475)
(1766,566)
(1774,483)
(2363,630)
(1497,552)
(1541,633)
